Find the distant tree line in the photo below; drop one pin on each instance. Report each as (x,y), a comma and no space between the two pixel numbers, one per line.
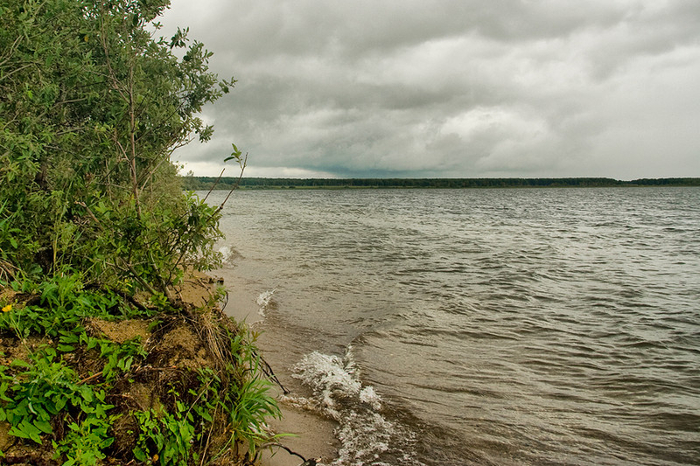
(199,183)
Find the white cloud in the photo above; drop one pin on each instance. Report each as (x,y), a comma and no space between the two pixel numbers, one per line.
(454,88)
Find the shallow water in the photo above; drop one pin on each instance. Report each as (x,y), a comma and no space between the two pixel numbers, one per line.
(539,326)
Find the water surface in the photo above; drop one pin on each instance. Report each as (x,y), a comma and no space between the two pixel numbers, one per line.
(538,326)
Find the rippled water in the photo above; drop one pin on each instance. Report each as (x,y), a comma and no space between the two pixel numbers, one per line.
(555,326)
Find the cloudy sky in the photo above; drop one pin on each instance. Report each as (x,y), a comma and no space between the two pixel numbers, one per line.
(451,88)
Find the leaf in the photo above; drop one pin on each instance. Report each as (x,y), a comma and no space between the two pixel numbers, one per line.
(68,337)
(86,393)
(3,391)
(236,154)
(140,455)
(43,426)
(61,403)
(20,363)
(27,430)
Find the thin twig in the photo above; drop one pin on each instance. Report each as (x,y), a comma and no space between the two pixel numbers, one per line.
(92,377)
(211,429)
(235,186)
(215,184)
(269,373)
(287,449)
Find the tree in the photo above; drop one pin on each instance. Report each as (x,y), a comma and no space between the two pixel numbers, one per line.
(92,104)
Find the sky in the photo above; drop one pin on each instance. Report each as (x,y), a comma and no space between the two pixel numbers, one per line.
(450,88)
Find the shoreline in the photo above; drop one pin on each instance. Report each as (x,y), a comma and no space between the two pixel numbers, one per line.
(310,435)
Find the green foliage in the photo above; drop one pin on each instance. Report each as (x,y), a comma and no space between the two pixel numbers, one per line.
(62,306)
(249,409)
(119,357)
(92,104)
(85,441)
(250,402)
(44,389)
(182,436)
(167,436)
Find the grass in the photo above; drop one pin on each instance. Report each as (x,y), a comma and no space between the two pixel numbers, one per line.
(89,377)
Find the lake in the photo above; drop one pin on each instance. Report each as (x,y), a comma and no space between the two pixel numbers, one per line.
(505,327)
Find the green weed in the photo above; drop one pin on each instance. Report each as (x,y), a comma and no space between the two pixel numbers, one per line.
(166,438)
(43,389)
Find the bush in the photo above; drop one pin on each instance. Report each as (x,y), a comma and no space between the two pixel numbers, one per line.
(92,105)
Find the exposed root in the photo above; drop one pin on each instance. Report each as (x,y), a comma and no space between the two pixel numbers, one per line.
(7,271)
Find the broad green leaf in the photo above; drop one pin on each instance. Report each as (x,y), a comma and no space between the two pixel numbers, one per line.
(43,426)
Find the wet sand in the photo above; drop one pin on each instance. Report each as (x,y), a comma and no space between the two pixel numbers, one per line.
(312,438)
(311,435)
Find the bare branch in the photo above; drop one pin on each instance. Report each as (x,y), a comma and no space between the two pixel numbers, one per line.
(214,185)
(235,186)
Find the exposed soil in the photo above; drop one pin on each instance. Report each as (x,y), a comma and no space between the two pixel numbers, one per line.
(176,345)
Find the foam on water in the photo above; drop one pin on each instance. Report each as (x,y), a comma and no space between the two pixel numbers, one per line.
(265,301)
(366,436)
(228,255)
(561,329)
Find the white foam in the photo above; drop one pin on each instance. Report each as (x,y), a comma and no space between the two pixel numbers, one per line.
(228,255)
(225,251)
(369,396)
(264,301)
(363,437)
(364,432)
(330,379)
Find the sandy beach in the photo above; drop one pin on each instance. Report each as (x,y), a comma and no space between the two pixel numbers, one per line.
(310,435)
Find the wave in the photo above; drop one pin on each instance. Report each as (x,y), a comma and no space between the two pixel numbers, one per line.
(265,301)
(366,435)
(228,255)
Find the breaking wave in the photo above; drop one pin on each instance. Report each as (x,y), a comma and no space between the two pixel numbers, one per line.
(366,436)
(229,255)
(265,301)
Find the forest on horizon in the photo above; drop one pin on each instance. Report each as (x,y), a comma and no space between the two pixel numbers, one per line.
(201,183)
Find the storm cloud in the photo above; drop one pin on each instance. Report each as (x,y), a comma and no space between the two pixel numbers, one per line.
(517,88)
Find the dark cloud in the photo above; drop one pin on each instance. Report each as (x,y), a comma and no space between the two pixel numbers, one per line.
(452,88)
